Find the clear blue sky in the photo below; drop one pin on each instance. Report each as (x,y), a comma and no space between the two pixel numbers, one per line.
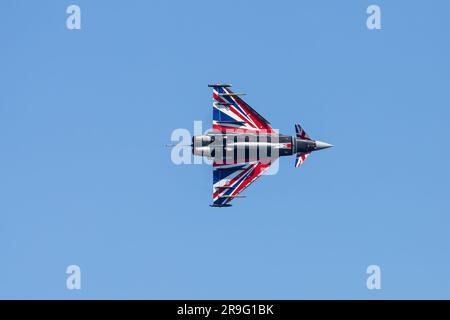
(85,179)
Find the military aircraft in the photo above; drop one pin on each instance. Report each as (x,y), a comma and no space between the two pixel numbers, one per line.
(242,145)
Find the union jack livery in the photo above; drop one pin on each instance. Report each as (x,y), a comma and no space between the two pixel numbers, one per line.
(243,145)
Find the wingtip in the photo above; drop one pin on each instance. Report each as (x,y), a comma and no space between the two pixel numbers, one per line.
(220,205)
(223,85)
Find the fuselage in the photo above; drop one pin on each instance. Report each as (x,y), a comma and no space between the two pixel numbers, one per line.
(242,147)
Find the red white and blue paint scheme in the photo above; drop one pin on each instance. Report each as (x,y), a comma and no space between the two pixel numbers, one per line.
(242,145)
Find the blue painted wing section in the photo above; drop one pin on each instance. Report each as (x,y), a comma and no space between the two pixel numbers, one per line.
(220,174)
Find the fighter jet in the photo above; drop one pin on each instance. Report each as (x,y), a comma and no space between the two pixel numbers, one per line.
(242,145)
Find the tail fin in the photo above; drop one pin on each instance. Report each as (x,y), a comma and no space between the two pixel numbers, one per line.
(301,134)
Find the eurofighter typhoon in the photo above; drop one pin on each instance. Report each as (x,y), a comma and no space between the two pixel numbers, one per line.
(242,145)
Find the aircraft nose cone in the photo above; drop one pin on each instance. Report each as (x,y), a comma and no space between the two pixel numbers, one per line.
(322,145)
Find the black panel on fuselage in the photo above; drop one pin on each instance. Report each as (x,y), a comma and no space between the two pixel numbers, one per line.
(247,147)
